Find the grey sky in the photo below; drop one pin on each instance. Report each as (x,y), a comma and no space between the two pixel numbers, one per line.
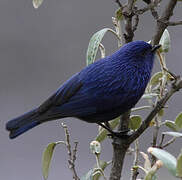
(39,50)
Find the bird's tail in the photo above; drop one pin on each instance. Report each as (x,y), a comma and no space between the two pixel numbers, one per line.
(23,123)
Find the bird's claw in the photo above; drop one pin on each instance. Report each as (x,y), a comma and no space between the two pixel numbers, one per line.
(120,134)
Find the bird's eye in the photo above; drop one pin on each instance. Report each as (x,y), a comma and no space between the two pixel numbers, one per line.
(143,53)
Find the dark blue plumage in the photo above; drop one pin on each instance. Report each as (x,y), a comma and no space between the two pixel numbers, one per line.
(100,92)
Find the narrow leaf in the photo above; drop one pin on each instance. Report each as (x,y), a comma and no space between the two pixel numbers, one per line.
(103,165)
(88,176)
(178,120)
(156,78)
(179,165)
(161,112)
(46,159)
(174,134)
(94,45)
(168,160)
(147,163)
(171,125)
(135,122)
(165,41)
(37,3)
(103,133)
(150,176)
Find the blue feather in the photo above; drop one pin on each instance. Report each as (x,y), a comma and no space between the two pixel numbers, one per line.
(99,92)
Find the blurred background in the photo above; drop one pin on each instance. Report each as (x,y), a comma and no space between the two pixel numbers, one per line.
(39,50)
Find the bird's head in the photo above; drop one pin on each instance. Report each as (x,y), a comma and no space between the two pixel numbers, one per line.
(140,50)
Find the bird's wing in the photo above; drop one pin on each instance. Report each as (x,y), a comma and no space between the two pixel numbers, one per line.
(63,94)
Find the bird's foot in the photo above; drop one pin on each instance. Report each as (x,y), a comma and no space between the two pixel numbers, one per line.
(120,134)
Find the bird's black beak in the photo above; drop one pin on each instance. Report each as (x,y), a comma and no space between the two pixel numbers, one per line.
(155,47)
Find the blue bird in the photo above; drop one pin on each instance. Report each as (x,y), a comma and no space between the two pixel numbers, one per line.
(99,93)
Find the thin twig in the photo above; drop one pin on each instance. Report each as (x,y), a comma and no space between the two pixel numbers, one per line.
(150,6)
(102,50)
(147,1)
(119,3)
(160,27)
(154,11)
(97,156)
(140,108)
(169,142)
(171,23)
(128,14)
(71,155)
(130,5)
(162,140)
(155,136)
(156,132)
(135,162)
(75,151)
(114,34)
(136,21)
(117,25)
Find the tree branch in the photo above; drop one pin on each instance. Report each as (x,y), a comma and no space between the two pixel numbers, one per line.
(128,14)
(175,87)
(136,18)
(119,3)
(150,6)
(169,142)
(120,147)
(160,27)
(171,23)
(135,163)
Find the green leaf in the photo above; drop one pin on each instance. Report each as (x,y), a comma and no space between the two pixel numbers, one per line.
(174,134)
(165,41)
(103,133)
(37,3)
(161,112)
(46,159)
(135,122)
(171,125)
(156,78)
(179,165)
(94,45)
(90,176)
(178,120)
(119,14)
(168,159)
(103,165)
(150,176)
(147,163)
